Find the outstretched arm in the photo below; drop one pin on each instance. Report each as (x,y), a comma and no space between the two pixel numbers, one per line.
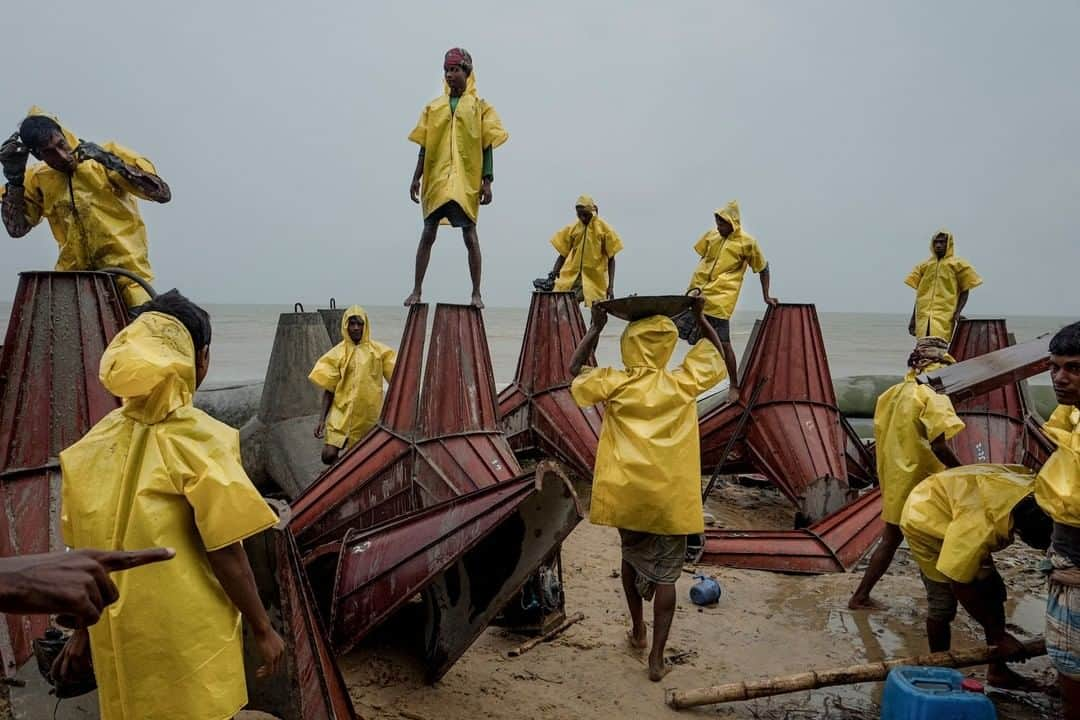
(764,276)
(588,343)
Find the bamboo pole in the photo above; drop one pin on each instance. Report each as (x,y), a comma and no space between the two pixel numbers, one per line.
(869,672)
(549,635)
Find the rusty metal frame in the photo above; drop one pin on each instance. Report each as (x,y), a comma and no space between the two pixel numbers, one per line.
(834,544)
(977,376)
(50,396)
(536,410)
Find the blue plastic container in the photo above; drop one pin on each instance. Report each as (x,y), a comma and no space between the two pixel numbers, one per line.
(932,693)
(705,591)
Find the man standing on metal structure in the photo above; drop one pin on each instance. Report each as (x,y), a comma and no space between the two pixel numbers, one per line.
(457,134)
(911,426)
(587,249)
(941,286)
(726,251)
(89,194)
(647,481)
(1057,489)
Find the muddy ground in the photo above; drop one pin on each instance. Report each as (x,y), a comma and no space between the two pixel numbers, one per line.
(765,624)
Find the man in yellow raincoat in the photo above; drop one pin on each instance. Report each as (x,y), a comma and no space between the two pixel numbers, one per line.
(457,133)
(351,376)
(941,286)
(159,473)
(1057,489)
(647,481)
(911,426)
(587,249)
(89,194)
(726,252)
(954,521)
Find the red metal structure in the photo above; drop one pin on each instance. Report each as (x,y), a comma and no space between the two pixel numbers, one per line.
(795,435)
(432,500)
(834,544)
(537,412)
(308,683)
(50,396)
(980,375)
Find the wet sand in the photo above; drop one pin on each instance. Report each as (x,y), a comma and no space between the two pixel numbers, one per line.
(765,624)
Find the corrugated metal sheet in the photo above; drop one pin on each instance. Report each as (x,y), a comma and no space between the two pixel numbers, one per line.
(458,394)
(536,410)
(50,396)
(403,395)
(994,422)
(308,683)
(834,544)
(795,436)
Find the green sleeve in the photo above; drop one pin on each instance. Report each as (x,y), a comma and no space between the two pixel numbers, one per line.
(489,163)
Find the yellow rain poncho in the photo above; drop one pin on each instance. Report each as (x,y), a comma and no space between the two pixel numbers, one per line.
(723,264)
(648,466)
(354,372)
(587,249)
(954,520)
(158,472)
(907,418)
(937,285)
(454,144)
(1057,488)
(107,230)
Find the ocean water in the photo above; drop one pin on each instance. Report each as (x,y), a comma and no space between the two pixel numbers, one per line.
(856,343)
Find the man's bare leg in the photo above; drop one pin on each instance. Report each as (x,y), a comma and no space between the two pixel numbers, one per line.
(472,245)
(638,634)
(732,370)
(423,257)
(938,635)
(879,563)
(663,614)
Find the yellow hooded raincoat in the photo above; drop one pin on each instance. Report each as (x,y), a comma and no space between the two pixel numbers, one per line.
(587,249)
(956,519)
(1057,488)
(354,372)
(106,230)
(648,465)
(158,472)
(723,264)
(454,144)
(937,285)
(907,418)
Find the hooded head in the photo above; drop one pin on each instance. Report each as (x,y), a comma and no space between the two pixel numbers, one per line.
(150,364)
(947,252)
(585,207)
(48,140)
(729,214)
(458,72)
(649,342)
(355,311)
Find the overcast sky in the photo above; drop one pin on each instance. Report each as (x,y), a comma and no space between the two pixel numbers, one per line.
(849,131)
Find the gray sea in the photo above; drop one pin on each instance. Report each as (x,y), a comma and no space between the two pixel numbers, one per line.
(857,343)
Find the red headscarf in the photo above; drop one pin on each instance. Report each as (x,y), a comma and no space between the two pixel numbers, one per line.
(458,56)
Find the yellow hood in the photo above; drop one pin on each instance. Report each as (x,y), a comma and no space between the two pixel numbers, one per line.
(150,364)
(72,139)
(949,249)
(355,311)
(586,201)
(730,212)
(649,342)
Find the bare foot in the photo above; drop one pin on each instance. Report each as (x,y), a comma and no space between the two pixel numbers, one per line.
(412,299)
(638,640)
(657,670)
(1006,679)
(477,302)
(864,603)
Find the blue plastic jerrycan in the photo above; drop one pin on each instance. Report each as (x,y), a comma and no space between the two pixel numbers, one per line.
(705,591)
(931,693)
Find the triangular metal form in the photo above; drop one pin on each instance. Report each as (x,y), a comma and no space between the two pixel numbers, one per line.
(536,410)
(50,396)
